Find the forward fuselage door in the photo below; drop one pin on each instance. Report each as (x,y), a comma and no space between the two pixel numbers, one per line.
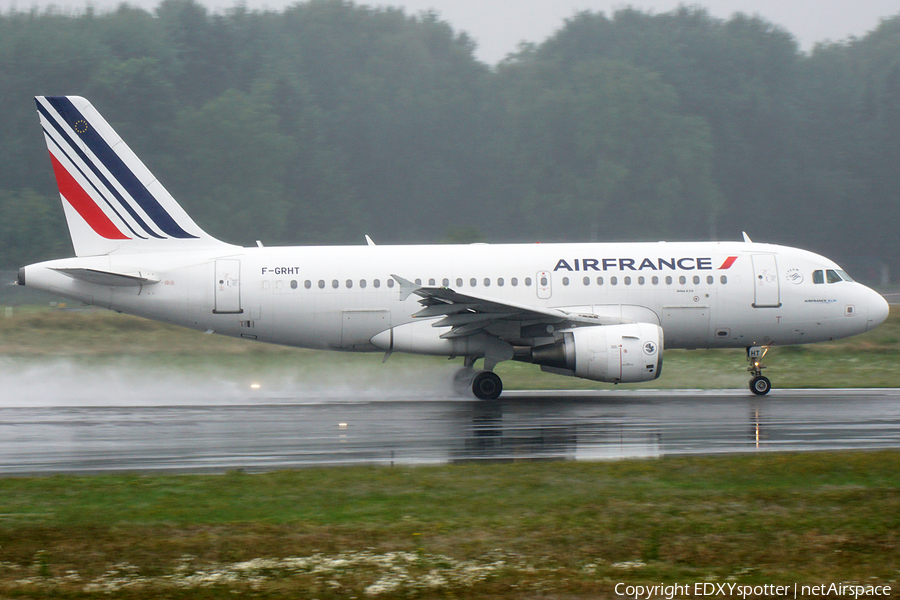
(767,293)
(228,286)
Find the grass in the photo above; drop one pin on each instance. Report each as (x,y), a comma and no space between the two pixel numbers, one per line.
(98,336)
(556,530)
(521,530)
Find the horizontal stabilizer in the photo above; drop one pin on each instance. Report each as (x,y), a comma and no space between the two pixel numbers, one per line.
(109,278)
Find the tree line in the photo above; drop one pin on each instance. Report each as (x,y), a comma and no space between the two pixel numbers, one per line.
(330,120)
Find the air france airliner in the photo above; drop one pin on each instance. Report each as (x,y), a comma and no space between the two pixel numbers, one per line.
(600,311)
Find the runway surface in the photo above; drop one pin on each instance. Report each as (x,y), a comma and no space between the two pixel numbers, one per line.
(258,432)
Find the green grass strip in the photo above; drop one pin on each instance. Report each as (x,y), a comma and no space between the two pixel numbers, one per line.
(514,530)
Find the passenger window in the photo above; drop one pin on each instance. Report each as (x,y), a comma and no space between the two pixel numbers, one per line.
(627,280)
(377,283)
(640,281)
(696,279)
(613,281)
(459,282)
(418,281)
(362,283)
(349,283)
(710,279)
(445,282)
(831,276)
(390,283)
(565,281)
(818,276)
(293,284)
(587,281)
(654,280)
(514,281)
(528,281)
(321,284)
(473,282)
(307,284)
(723,279)
(500,281)
(682,280)
(599,281)
(668,280)
(431,282)
(335,283)
(487,282)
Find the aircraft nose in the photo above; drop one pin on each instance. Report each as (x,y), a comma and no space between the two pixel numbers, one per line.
(878,310)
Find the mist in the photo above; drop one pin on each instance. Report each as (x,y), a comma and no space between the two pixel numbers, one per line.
(67,383)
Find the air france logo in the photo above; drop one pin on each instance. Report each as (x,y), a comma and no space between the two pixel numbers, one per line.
(687,263)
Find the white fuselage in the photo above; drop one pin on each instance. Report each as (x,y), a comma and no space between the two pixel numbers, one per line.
(702,294)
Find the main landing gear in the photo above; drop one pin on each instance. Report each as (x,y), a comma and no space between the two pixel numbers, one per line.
(485,385)
(759,384)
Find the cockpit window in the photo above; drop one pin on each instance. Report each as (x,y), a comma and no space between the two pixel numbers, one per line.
(831,276)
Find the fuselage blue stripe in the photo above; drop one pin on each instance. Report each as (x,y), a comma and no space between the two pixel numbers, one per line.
(96,189)
(96,172)
(117,167)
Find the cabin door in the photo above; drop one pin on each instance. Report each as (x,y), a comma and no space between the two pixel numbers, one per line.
(767,293)
(228,287)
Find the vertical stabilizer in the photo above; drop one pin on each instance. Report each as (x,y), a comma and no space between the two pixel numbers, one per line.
(111,200)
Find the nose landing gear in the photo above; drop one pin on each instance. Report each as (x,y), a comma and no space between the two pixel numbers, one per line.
(759,384)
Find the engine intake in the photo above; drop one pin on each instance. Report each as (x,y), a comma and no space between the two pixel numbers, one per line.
(627,353)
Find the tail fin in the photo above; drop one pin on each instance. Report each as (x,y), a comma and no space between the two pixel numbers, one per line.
(111,200)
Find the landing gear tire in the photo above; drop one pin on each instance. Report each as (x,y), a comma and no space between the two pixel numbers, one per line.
(487,385)
(760,385)
(462,381)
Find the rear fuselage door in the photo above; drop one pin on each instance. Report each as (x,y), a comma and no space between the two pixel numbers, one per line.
(228,287)
(767,293)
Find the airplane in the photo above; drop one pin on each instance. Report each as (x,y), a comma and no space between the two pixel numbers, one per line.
(600,311)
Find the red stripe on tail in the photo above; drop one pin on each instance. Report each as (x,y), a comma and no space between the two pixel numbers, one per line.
(84,204)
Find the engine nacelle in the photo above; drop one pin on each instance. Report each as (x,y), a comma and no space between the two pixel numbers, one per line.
(628,353)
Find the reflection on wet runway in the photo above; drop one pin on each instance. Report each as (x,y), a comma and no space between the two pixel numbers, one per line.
(263,433)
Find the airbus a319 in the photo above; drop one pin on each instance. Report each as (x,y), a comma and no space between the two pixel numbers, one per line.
(604,312)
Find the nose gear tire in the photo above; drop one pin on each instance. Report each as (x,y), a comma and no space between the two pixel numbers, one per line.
(760,385)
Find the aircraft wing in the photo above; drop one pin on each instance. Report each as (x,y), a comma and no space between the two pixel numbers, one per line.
(468,314)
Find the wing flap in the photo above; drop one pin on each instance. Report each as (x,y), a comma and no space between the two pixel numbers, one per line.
(467,314)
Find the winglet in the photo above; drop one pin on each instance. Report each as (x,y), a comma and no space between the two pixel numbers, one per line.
(369,241)
(746,237)
(407,287)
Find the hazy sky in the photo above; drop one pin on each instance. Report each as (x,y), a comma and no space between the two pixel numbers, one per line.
(499,25)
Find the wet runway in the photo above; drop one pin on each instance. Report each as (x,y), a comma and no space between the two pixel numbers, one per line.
(259,432)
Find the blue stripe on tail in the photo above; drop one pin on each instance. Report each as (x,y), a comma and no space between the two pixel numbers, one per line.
(119,170)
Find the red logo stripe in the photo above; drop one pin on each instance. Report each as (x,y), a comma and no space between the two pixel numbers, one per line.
(728,262)
(84,204)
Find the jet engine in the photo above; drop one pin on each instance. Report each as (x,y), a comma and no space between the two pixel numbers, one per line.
(627,353)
